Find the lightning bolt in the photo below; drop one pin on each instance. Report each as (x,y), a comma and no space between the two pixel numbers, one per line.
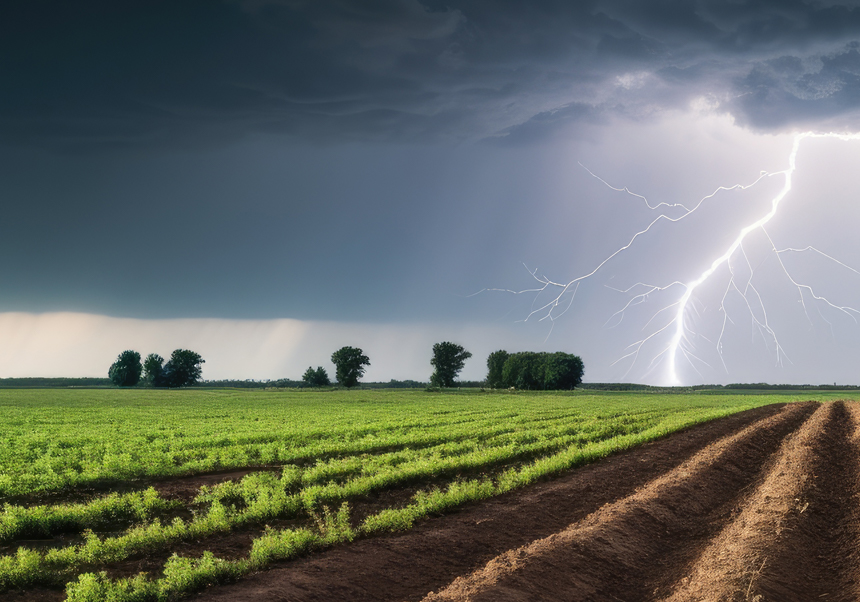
(681,345)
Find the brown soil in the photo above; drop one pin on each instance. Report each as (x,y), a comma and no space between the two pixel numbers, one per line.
(795,537)
(186,489)
(37,594)
(630,527)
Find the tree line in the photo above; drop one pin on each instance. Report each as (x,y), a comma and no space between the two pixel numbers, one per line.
(524,370)
(181,370)
(532,370)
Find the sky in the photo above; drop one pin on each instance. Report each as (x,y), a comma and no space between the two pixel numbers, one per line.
(265,181)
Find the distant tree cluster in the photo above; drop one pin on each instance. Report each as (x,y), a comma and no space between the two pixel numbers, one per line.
(249,383)
(533,370)
(525,370)
(400,384)
(41,382)
(316,378)
(181,370)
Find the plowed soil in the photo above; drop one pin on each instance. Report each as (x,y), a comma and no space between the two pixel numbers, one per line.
(758,506)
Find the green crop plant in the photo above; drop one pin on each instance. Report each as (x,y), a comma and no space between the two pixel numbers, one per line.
(20,522)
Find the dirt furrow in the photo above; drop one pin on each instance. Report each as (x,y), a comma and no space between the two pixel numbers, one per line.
(406,566)
(631,548)
(795,537)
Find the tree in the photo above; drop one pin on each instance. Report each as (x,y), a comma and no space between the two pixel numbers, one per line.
(448,359)
(495,364)
(562,371)
(182,369)
(153,368)
(316,378)
(349,365)
(523,370)
(125,371)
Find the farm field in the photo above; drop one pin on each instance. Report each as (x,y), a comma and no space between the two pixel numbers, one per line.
(370,495)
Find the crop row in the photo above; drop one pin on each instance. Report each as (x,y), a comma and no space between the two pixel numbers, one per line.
(88,464)
(486,448)
(264,496)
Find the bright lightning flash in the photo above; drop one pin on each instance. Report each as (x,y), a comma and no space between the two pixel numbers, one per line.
(680,344)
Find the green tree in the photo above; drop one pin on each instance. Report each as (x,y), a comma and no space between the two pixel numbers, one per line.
(530,370)
(126,370)
(316,378)
(448,359)
(523,370)
(182,369)
(349,365)
(495,364)
(562,371)
(153,368)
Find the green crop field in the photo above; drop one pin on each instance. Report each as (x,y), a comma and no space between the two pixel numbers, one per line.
(80,470)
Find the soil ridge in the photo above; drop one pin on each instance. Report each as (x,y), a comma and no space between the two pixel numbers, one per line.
(794,537)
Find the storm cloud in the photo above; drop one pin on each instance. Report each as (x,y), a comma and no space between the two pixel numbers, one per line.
(111,74)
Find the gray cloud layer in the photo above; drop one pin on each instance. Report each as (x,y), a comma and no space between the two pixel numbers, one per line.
(118,73)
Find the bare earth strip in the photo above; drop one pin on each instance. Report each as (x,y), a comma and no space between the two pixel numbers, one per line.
(606,530)
(631,548)
(796,537)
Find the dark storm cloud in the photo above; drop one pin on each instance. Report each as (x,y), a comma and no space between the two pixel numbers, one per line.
(546,123)
(785,91)
(136,73)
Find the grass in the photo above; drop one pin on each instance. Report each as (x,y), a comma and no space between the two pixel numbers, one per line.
(331,448)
